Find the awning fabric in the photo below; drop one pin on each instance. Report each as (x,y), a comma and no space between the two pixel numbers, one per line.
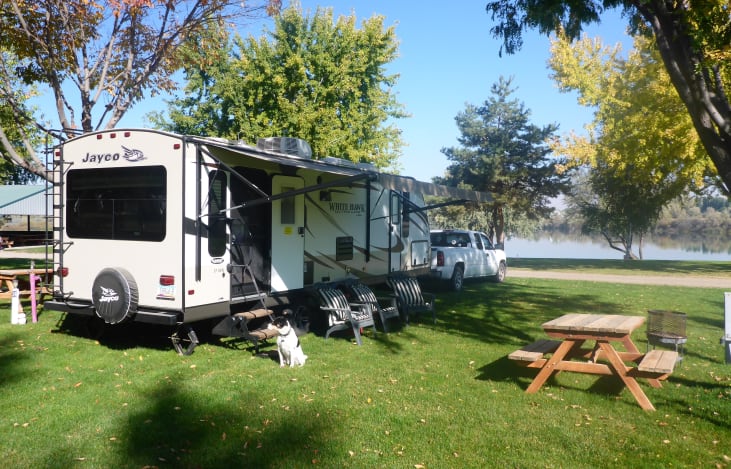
(402,183)
(389,181)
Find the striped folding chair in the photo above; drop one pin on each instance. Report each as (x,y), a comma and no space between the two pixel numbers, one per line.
(343,315)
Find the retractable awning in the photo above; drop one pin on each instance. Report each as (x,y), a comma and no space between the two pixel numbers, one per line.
(404,183)
(389,181)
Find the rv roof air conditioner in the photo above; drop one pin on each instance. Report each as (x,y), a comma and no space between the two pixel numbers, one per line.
(286,145)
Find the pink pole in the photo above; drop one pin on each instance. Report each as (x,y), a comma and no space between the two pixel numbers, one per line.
(33,280)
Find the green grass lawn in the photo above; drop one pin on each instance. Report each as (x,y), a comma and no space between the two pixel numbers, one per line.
(428,396)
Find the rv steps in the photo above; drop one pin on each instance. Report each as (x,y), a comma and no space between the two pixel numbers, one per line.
(248,325)
(255,314)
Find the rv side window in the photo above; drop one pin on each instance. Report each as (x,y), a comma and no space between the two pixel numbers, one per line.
(405,221)
(217,218)
(287,211)
(117,203)
(395,208)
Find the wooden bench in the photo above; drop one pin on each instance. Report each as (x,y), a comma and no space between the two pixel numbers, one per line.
(535,351)
(658,362)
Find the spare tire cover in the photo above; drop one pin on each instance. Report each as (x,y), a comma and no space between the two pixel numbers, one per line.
(114,295)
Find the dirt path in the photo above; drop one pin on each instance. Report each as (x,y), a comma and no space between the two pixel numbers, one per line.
(682,281)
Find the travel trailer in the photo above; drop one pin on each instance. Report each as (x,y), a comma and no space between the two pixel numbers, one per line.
(173,230)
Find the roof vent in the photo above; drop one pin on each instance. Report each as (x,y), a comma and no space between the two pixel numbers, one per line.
(339,161)
(286,145)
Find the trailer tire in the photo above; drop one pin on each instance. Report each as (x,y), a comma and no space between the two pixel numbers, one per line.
(114,294)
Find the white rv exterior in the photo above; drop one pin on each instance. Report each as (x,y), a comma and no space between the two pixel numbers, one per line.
(170,229)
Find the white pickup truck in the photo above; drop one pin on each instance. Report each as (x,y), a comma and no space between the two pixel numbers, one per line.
(460,254)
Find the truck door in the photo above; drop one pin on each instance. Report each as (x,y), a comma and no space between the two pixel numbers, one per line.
(490,262)
(288,235)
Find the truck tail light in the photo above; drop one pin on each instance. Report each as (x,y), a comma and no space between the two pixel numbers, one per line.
(440,259)
(62,271)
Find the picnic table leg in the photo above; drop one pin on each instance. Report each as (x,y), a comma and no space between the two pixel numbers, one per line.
(620,369)
(549,367)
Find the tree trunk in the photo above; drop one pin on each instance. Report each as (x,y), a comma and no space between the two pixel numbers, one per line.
(498,221)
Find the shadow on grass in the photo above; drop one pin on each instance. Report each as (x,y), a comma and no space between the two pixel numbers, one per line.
(511,313)
(180,430)
(12,359)
(118,336)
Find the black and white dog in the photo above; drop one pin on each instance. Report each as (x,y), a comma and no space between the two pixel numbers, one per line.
(288,344)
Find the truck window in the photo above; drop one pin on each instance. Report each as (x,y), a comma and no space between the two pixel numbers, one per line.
(486,241)
(117,203)
(478,242)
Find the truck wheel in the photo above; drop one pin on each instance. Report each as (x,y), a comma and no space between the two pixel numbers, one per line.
(499,277)
(114,294)
(457,278)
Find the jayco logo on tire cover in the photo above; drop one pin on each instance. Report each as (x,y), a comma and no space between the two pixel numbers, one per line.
(109,295)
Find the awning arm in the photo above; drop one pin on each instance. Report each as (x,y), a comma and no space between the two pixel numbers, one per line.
(440,205)
(233,172)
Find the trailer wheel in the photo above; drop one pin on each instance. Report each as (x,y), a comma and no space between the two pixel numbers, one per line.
(114,294)
(184,340)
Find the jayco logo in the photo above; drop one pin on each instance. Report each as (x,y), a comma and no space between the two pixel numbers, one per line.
(130,154)
(109,295)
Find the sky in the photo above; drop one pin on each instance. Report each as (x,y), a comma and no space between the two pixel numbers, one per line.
(448,58)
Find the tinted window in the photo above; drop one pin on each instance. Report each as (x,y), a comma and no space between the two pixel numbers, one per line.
(486,240)
(117,203)
(216,213)
(450,239)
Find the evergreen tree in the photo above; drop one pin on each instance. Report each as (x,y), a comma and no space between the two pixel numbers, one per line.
(504,154)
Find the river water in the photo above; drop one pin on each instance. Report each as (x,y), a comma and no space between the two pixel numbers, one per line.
(547,247)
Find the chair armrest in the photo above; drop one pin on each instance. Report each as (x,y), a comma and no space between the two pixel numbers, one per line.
(326,308)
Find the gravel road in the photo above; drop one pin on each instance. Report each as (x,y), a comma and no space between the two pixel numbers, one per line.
(682,281)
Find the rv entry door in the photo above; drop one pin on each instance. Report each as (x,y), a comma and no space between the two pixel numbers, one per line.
(288,235)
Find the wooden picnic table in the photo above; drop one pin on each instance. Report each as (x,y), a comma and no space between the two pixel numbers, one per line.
(9,277)
(568,354)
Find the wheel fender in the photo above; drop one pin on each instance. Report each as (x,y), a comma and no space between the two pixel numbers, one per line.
(115,295)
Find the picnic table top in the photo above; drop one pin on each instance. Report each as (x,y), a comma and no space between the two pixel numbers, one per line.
(15,272)
(594,323)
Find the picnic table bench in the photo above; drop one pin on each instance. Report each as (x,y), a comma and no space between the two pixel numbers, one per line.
(9,278)
(602,358)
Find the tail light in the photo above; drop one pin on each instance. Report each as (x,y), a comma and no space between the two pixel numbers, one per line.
(62,271)
(440,259)
(167,280)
